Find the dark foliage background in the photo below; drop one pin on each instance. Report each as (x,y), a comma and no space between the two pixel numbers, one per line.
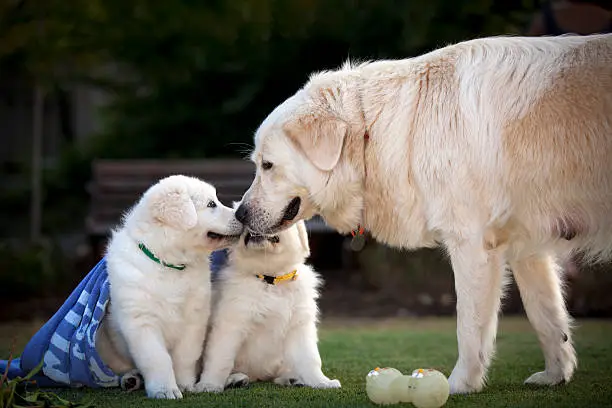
(193,79)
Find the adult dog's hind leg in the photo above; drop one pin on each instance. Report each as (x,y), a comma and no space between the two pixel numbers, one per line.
(479,275)
(541,291)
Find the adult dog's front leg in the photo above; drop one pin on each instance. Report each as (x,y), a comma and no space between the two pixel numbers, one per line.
(478,284)
(303,361)
(222,347)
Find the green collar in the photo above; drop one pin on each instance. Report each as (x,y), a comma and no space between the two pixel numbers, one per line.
(148,253)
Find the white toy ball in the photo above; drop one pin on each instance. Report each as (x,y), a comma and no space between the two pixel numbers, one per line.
(401,388)
(378,382)
(431,388)
(423,388)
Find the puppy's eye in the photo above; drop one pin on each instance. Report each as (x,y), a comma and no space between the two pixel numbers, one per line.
(266,165)
(211,204)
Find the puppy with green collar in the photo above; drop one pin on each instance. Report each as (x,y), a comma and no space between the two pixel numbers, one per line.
(160,291)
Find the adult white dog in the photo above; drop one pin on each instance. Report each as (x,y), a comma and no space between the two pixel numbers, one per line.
(497,148)
(159,277)
(264,320)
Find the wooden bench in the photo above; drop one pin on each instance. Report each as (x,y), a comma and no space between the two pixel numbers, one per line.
(116,185)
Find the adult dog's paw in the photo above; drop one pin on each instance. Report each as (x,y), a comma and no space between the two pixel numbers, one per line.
(207,387)
(460,385)
(545,378)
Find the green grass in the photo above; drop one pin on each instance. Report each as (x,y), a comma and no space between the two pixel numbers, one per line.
(351,348)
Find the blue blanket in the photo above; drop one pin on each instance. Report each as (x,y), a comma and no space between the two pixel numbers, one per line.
(67,342)
(218,260)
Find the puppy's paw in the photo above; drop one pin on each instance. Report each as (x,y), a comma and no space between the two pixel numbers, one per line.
(131,381)
(288,382)
(327,384)
(207,387)
(297,382)
(237,380)
(188,386)
(186,380)
(164,392)
(545,378)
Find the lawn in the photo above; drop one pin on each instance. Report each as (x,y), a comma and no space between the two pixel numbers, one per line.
(350,348)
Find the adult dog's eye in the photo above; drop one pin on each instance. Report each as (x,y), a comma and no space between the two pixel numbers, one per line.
(266,165)
(211,204)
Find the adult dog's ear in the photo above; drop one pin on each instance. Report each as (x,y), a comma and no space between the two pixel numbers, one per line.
(320,136)
(303,234)
(173,207)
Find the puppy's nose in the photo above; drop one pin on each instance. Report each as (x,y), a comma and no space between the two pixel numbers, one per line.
(242,214)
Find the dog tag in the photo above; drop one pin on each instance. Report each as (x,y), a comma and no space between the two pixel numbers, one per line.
(358,242)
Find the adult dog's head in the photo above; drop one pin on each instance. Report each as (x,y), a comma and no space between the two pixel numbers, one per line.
(309,158)
(272,254)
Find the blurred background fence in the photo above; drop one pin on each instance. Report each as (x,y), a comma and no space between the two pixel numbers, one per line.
(185,79)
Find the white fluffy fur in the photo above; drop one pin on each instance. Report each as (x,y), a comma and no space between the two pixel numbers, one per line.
(261,332)
(498,148)
(158,315)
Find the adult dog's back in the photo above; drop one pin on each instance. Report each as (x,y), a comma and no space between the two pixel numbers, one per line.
(512,133)
(546,106)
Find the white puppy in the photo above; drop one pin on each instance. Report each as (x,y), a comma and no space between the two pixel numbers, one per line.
(158,269)
(497,148)
(264,321)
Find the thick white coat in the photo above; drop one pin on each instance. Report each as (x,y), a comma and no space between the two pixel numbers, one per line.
(497,148)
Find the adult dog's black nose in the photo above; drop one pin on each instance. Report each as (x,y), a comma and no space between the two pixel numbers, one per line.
(242,214)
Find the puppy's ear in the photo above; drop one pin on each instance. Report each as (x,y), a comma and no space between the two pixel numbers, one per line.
(303,234)
(173,207)
(320,136)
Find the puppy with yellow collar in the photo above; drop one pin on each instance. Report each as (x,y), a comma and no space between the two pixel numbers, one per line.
(264,316)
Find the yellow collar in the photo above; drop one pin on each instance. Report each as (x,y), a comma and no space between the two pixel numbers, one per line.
(273,280)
